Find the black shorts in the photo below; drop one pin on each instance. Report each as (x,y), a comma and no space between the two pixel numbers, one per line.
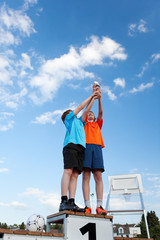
(73,155)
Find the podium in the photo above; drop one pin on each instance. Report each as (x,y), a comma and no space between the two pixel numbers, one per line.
(79,226)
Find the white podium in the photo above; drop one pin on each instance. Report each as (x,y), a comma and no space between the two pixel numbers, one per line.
(76,226)
(83,226)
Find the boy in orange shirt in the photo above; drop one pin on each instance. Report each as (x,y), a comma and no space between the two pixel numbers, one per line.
(93,158)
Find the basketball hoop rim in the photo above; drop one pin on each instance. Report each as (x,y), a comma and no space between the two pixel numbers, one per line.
(127,196)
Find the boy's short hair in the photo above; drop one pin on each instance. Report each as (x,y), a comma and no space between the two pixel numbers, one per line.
(65,114)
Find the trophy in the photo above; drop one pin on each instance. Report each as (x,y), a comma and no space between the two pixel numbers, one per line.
(96,87)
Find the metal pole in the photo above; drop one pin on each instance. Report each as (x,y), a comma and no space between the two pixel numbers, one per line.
(108,198)
(145,218)
(92,196)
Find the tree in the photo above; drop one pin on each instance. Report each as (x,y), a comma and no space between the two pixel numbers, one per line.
(152,219)
(155,232)
(22,226)
(57,226)
(3,225)
(153,224)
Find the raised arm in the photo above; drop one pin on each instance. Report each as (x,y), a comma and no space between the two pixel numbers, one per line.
(100,109)
(88,108)
(84,103)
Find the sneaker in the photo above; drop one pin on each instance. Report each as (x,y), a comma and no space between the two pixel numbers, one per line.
(88,210)
(75,208)
(64,206)
(101,211)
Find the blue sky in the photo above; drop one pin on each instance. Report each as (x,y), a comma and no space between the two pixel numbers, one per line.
(51,52)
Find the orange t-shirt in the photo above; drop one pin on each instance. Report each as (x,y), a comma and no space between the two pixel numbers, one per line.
(93,132)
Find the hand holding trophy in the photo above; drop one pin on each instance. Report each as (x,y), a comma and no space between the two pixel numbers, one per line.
(96,89)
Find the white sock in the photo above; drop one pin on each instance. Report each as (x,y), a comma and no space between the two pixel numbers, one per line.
(88,204)
(99,202)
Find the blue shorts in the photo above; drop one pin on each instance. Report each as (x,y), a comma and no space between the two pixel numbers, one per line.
(93,158)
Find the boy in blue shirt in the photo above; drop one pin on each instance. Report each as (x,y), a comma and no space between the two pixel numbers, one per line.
(73,152)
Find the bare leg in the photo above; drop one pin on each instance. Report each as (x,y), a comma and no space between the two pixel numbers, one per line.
(85,184)
(73,183)
(99,183)
(65,181)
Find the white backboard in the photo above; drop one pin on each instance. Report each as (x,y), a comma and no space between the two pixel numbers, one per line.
(125,184)
(135,230)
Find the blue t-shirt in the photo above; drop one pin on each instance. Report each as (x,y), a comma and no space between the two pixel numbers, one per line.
(74,130)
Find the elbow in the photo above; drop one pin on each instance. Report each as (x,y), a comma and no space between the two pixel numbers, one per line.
(101,113)
(80,107)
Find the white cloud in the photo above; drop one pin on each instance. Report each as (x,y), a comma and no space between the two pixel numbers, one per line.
(51,200)
(11,104)
(24,63)
(28,3)
(18,205)
(141,26)
(122,204)
(155,57)
(39,10)
(7,38)
(6,70)
(74,86)
(10,76)
(110,94)
(134,170)
(142,87)
(6,122)
(154,179)
(137,28)
(150,174)
(16,21)
(31,1)
(4,170)
(55,72)
(144,68)
(48,117)
(12,100)
(132,29)
(2,160)
(119,82)
(13,25)
(52,117)
(33,192)
(15,204)
(148,193)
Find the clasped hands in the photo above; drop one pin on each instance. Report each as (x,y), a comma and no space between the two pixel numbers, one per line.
(96,92)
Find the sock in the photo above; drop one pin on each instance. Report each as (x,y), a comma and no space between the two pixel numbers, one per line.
(71,200)
(99,202)
(87,203)
(64,198)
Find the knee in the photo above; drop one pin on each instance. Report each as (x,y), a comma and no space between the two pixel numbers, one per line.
(98,177)
(86,175)
(68,172)
(75,174)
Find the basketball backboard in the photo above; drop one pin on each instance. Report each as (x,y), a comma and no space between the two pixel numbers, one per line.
(135,230)
(125,184)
